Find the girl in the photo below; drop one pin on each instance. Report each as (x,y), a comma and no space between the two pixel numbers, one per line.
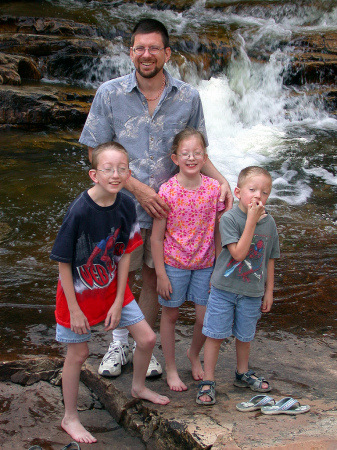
(183,247)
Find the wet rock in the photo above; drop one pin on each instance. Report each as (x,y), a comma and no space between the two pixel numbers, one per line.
(314,59)
(28,372)
(52,48)
(43,105)
(32,415)
(38,25)
(15,68)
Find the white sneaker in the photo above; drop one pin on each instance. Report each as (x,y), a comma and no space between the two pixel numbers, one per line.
(117,356)
(154,369)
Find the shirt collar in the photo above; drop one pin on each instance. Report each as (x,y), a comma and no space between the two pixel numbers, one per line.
(170,82)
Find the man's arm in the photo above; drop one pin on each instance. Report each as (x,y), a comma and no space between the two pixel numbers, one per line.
(226,193)
(217,235)
(90,150)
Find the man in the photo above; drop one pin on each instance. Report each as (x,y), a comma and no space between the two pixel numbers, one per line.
(143,111)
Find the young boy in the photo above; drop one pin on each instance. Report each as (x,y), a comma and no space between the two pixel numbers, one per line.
(93,247)
(242,281)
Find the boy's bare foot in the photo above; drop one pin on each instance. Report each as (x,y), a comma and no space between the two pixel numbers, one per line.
(151,396)
(77,431)
(197,370)
(175,383)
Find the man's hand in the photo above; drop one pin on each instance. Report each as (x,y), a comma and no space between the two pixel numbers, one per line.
(148,199)
(226,196)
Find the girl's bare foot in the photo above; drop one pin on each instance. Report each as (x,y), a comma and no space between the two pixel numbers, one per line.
(77,431)
(174,382)
(197,370)
(151,396)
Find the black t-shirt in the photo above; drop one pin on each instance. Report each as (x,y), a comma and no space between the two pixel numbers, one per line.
(93,239)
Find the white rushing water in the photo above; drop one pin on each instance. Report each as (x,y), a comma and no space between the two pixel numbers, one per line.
(249,115)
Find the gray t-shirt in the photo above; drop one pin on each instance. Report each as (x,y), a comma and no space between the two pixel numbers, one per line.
(119,112)
(247,277)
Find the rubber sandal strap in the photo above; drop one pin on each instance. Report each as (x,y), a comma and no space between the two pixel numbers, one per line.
(206,383)
(71,446)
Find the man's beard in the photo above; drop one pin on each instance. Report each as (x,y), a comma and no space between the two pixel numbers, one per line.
(148,75)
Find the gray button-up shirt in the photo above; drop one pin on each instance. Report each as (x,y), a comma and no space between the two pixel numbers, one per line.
(119,112)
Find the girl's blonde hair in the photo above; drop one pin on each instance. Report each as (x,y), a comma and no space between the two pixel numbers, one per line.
(184,134)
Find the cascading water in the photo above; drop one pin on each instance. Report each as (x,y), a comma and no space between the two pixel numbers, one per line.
(253,116)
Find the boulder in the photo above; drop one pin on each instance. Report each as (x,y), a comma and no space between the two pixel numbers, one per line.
(15,68)
(43,105)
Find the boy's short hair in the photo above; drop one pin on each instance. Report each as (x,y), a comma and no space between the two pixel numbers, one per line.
(252,170)
(147,26)
(107,146)
(185,134)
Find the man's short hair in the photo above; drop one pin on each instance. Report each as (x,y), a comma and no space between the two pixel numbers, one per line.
(146,26)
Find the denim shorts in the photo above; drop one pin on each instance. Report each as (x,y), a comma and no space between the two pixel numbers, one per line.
(192,285)
(230,314)
(131,314)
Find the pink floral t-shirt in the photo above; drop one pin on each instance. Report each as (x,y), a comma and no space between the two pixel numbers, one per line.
(189,235)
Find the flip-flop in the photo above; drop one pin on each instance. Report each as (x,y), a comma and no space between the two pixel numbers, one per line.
(255,403)
(286,405)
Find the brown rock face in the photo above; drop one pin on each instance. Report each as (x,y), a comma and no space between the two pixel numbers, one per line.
(15,68)
(314,59)
(43,105)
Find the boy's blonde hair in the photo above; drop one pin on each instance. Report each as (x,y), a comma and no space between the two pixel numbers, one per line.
(251,171)
(107,146)
(184,134)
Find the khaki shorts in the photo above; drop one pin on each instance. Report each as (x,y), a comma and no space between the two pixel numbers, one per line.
(142,254)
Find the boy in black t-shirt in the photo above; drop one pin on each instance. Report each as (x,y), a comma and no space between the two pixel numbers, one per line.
(93,248)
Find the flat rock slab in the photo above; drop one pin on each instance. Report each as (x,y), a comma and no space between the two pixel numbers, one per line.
(31,415)
(303,368)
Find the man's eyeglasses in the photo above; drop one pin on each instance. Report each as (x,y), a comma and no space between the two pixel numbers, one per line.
(195,155)
(111,171)
(152,50)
